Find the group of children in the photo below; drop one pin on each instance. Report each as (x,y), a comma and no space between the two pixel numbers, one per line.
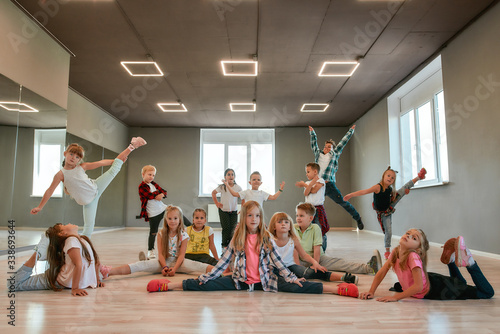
(280,257)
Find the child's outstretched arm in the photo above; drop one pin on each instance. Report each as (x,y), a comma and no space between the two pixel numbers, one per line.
(374,189)
(278,193)
(76,258)
(212,247)
(180,258)
(379,277)
(58,178)
(231,190)
(96,164)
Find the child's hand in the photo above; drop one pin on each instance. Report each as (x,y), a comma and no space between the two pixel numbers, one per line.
(407,191)
(353,127)
(100,285)
(78,292)
(159,197)
(224,181)
(282,185)
(366,295)
(311,128)
(219,205)
(36,210)
(300,184)
(316,266)
(347,197)
(298,280)
(164,271)
(171,272)
(387,299)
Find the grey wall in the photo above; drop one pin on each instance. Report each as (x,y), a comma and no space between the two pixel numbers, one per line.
(175,153)
(469,205)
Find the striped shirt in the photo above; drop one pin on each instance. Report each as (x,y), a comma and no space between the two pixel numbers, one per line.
(267,261)
(333,166)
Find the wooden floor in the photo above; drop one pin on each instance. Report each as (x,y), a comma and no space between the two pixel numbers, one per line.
(124,306)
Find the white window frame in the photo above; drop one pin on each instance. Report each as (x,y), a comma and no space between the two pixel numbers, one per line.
(238,137)
(47,137)
(423,87)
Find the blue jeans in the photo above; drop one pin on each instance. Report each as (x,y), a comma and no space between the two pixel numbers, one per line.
(24,281)
(333,192)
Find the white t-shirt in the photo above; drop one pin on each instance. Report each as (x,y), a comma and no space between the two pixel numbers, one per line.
(79,185)
(286,252)
(154,207)
(319,197)
(323,162)
(229,202)
(88,277)
(254,195)
(172,244)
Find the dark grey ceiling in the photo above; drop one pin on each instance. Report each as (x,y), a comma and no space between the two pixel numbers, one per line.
(291,38)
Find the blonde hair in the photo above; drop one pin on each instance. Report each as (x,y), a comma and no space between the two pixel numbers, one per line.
(240,233)
(166,230)
(421,251)
(75,149)
(279,217)
(147,168)
(255,173)
(307,208)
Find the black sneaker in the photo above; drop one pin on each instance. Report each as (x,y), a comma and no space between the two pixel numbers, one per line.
(350,278)
(375,262)
(360,224)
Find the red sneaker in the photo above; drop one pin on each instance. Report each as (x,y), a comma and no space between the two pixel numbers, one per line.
(421,174)
(386,255)
(348,289)
(448,250)
(158,285)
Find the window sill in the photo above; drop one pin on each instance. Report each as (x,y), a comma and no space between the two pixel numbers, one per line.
(429,185)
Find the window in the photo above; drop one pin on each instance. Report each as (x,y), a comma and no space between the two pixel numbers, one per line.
(244,150)
(421,129)
(47,160)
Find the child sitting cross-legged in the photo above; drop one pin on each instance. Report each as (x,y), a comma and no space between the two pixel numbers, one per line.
(311,240)
(201,240)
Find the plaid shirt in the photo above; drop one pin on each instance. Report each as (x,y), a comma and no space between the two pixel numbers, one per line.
(145,194)
(333,166)
(267,260)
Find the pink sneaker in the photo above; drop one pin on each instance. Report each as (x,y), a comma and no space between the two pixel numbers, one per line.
(386,255)
(137,142)
(448,250)
(158,285)
(348,289)
(421,174)
(105,271)
(463,256)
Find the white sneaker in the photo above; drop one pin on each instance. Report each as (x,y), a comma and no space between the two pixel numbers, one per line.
(151,254)
(41,248)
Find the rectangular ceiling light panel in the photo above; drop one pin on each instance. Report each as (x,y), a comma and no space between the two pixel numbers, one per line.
(16,106)
(241,107)
(142,68)
(314,107)
(172,107)
(338,68)
(245,68)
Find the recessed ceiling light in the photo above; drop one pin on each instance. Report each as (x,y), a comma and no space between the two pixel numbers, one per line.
(16,106)
(172,107)
(338,68)
(239,107)
(244,68)
(314,107)
(142,68)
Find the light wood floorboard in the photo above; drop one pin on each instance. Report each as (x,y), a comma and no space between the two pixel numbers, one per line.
(124,306)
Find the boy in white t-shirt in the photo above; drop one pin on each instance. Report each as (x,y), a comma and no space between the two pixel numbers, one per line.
(255,194)
(315,194)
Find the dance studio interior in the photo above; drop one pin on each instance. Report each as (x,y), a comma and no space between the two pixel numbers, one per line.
(217,84)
